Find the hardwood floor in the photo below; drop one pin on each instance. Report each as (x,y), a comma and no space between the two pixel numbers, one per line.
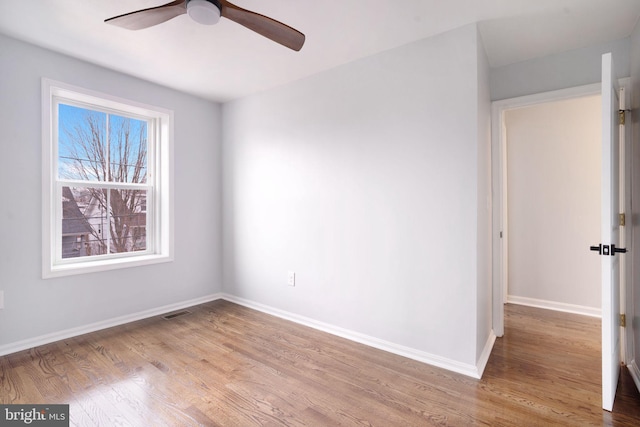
(226,365)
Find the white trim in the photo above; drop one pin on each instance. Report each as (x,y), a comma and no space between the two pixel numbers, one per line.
(97,326)
(626,232)
(556,306)
(499,183)
(635,373)
(420,356)
(481,364)
(114,263)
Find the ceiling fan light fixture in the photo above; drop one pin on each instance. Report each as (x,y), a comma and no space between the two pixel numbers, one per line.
(203,11)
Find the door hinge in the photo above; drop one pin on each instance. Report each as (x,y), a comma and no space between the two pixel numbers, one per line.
(623,320)
(621,117)
(622,219)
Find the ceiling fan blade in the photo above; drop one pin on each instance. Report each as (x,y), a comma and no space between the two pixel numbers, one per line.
(149,17)
(263,25)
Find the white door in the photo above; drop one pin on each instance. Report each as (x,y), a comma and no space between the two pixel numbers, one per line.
(608,247)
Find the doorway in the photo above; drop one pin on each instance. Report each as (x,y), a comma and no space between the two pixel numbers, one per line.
(550,247)
(615,184)
(553,184)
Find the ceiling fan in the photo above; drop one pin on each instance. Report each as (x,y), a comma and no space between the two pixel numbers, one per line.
(208,12)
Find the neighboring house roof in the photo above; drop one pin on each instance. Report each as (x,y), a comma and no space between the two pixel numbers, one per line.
(73,221)
(138,219)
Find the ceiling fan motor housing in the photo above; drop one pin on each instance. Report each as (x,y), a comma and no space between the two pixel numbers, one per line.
(205,12)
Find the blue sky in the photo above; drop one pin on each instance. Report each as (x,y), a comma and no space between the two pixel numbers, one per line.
(73,126)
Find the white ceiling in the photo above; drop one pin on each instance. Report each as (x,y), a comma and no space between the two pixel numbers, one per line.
(227,61)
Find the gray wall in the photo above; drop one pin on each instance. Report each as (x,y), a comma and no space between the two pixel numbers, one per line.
(569,69)
(367,181)
(35,307)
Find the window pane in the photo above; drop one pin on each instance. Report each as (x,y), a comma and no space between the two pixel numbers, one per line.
(128,149)
(84,222)
(82,146)
(128,222)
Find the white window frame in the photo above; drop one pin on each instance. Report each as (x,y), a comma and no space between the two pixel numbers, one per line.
(159,182)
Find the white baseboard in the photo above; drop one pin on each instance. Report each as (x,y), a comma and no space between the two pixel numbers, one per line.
(486,353)
(411,353)
(635,373)
(74,332)
(557,306)
(421,356)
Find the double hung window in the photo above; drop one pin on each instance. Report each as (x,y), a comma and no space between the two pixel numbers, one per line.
(106,165)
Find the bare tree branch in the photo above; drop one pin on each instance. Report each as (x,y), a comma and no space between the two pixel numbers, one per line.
(117,152)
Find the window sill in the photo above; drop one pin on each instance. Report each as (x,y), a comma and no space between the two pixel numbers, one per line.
(102,265)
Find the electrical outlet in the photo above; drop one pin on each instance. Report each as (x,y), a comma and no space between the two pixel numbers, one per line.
(291,278)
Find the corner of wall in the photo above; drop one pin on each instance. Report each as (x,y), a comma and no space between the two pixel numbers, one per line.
(484,208)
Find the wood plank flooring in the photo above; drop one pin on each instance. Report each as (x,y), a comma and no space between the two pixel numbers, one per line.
(226,365)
